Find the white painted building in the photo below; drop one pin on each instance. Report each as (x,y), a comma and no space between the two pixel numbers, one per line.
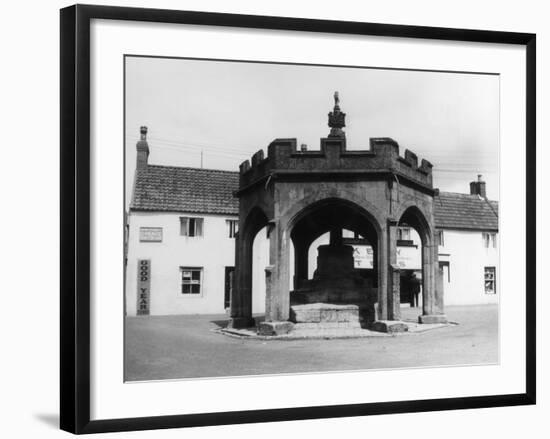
(181,248)
(180,232)
(187,271)
(468,250)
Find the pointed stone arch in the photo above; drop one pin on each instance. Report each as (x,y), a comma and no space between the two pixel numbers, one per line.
(432,298)
(324,215)
(241,298)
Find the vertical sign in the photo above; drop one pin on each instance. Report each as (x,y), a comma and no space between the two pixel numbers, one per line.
(143,286)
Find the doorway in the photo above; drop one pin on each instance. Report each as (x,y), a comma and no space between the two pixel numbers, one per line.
(229,271)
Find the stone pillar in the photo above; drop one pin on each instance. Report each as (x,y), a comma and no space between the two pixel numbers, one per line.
(268,288)
(439,307)
(427,279)
(394,295)
(241,293)
(383,269)
(336,236)
(270,327)
(278,298)
(393,301)
(432,297)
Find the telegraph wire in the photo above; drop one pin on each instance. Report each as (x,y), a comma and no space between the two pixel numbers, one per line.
(198,148)
(197,145)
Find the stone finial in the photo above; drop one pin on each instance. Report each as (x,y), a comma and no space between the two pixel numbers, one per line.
(336,119)
(336,100)
(143,132)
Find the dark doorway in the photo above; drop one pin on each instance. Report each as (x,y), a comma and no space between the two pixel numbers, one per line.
(410,286)
(413,218)
(229,271)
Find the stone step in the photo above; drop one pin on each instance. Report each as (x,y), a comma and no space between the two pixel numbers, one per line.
(327,325)
(334,333)
(324,313)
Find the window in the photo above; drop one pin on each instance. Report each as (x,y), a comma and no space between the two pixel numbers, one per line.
(191,226)
(440,238)
(445,266)
(191,280)
(490,280)
(403,234)
(150,234)
(232,227)
(489,240)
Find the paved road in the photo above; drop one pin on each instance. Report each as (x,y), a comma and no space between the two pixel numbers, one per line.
(171,347)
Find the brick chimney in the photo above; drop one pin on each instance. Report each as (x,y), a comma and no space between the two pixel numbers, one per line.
(142,148)
(478,187)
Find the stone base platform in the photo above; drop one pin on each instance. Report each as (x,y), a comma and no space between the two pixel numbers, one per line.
(329,321)
(389,326)
(275,328)
(302,331)
(326,326)
(432,319)
(326,313)
(241,322)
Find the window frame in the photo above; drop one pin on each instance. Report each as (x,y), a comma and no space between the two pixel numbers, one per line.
(233,227)
(442,265)
(200,283)
(486,271)
(488,238)
(401,236)
(185,225)
(440,236)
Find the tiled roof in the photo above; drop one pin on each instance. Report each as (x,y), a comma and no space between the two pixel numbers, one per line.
(464,211)
(176,189)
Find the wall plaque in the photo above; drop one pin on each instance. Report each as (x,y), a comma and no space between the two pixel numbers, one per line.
(150,234)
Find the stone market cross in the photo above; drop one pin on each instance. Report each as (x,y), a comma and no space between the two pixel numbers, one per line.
(300,195)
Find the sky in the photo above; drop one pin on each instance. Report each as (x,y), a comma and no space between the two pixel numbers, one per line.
(221,112)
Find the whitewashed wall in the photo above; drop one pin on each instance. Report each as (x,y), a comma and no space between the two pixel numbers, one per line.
(467,257)
(213,252)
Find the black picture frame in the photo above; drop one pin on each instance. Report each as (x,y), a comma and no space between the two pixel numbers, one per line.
(75,217)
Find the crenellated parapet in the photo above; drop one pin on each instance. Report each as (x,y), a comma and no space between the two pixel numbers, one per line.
(333,160)
(383,157)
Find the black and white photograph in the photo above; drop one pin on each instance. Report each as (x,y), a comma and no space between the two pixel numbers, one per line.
(284,218)
(276,219)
